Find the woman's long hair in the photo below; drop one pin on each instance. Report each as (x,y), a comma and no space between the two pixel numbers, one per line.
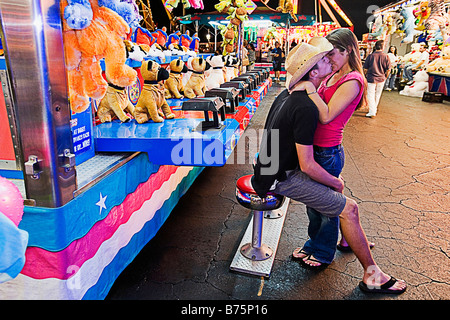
(345,39)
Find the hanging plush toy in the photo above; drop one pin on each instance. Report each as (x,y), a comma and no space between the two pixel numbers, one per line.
(408,25)
(438,16)
(197,4)
(124,8)
(102,38)
(171,4)
(378,27)
(422,14)
(286,6)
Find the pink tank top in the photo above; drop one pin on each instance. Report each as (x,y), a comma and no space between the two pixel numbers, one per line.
(330,135)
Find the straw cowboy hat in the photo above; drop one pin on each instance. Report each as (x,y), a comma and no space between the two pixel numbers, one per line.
(303,57)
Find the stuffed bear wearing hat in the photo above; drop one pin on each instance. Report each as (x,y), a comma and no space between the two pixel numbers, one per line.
(196,85)
(419,86)
(215,78)
(152,100)
(86,44)
(174,85)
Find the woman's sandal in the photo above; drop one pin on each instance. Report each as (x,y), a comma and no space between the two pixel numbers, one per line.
(384,288)
(321,266)
(299,251)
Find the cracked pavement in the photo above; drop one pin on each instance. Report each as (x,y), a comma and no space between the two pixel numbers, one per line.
(397,168)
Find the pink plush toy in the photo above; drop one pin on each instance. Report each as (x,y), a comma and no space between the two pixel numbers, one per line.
(196,4)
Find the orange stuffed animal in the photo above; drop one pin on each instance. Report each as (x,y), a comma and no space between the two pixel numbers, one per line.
(84,48)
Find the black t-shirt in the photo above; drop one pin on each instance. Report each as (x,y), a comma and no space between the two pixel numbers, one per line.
(279,52)
(292,119)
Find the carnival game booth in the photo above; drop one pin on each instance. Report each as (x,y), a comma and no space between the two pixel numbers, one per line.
(94,193)
(406,24)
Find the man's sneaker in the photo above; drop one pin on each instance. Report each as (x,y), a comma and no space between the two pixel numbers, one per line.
(369,115)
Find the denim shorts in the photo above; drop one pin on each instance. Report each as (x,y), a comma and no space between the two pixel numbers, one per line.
(300,187)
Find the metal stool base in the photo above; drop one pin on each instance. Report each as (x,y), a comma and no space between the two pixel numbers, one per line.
(256,254)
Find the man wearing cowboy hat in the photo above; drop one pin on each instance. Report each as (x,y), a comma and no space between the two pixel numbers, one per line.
(285,164)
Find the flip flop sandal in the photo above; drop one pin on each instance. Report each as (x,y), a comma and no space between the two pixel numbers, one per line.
(308,266)
(348,249)
(384,288)
(300,251)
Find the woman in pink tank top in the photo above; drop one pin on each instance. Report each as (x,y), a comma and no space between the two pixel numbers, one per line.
(339,95)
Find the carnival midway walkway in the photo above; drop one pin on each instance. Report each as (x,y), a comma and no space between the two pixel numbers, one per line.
(398,170)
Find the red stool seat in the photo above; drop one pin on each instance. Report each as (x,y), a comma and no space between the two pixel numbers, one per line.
(244,184)
(247,196)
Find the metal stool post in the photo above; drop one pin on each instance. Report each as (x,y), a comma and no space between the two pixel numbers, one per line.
(256,250)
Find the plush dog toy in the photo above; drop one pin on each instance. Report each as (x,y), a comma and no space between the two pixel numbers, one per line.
(231,67)
(136,52)
(215,78)
(174,85)
(85,44)
(116,102)
(195,87)
(152,104)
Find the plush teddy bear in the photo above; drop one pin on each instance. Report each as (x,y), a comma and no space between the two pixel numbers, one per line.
(215,78)
(152,104)
(441,64)
(174,85)
(100,38)
(419,86)
(412,56)
(422,14)
(195,86)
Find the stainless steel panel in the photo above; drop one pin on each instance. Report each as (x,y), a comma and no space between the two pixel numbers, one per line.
(32,40)
(18,161)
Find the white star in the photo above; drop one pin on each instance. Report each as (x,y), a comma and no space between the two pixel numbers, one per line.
(101,203)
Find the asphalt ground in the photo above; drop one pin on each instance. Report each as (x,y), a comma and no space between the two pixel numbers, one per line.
(397,168)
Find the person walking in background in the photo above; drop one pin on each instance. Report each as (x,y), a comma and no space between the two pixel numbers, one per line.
(390,82)
(277,58)
(376,68)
